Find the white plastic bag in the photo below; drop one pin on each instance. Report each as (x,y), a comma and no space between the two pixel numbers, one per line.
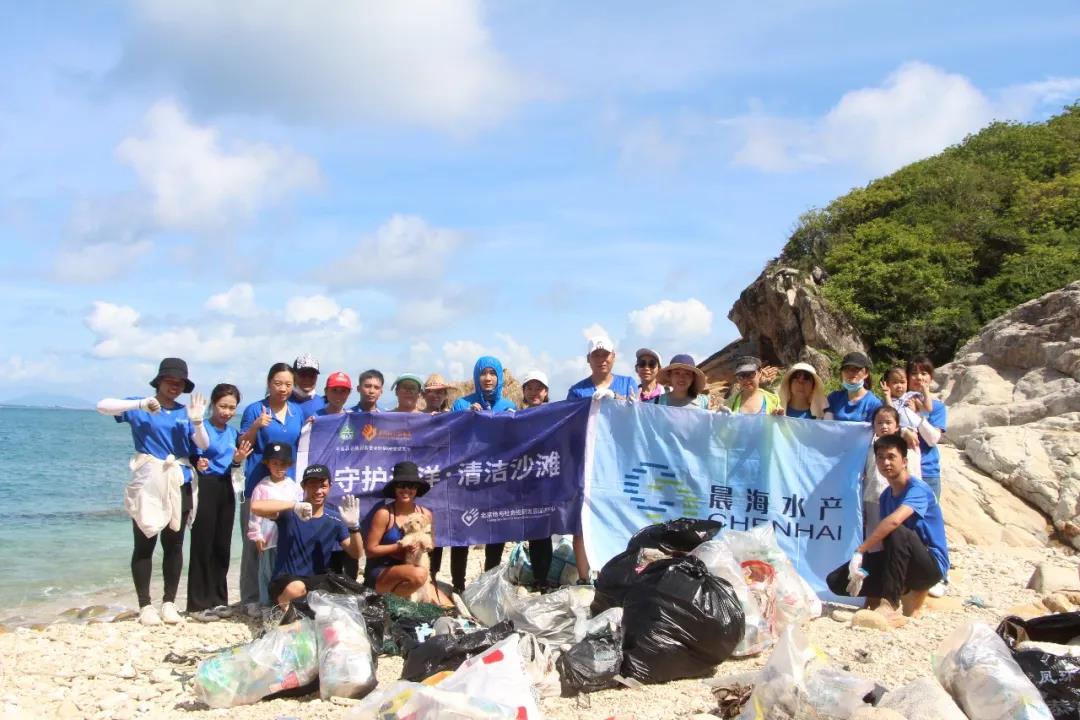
(760,633)
(282,659)
(414,701)
(552,617)
(491,596)
(795,599)
(979,671)
(346,665)
(799,681)
(610,619)
(497,674)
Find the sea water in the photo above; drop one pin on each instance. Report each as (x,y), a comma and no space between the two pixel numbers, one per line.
(65,539)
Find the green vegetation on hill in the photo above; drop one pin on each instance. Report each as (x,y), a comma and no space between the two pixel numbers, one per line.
(923,258)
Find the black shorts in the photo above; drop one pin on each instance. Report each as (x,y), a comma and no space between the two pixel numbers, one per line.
(311,582)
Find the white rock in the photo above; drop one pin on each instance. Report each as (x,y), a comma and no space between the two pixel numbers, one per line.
(126,671)
(161,675)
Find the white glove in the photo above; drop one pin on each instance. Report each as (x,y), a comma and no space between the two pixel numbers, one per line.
(150,405)
(604,394)
(855,575)
(196,408)
(349,509)
(302,510)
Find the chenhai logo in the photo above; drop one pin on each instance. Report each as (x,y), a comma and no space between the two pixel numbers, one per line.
(369,432)
(655,489)
(346,434)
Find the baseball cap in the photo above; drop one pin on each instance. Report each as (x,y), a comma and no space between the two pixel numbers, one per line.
(646,352)
(339,380)
(320,472)
(305,362)
(278,451)
(747,363)
(855,359)
(599,342)
(535,375)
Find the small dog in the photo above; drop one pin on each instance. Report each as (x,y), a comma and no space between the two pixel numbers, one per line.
(418,542)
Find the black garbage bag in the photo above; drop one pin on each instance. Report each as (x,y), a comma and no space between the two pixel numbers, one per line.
(679,621)
(618,575)
(1057,677)
(405,617)
(675,536)
(447,652)
(591,664)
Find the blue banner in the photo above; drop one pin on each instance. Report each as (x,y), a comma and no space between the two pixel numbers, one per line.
(508,476)
(649,463)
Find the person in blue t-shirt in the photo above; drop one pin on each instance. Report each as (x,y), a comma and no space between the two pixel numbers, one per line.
(802,394)
(915,554)
(308,535)
(166,437)
(274,419)
(211,533)
(855,402)
(305,392)
(932,419)
(600,353)
(369,386)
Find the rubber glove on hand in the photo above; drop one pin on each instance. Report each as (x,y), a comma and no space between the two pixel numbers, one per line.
(604,394)
(196,408)
(349,509)
(855,575)
(150,405)
(302,510)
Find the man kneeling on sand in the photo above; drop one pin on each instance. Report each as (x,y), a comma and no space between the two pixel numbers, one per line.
(307,536)
(912,532)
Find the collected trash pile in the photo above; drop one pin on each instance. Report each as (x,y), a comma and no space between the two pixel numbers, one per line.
(678,602)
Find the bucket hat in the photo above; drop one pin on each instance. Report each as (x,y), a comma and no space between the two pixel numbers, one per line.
(683,362)
(173,368)
(406,472)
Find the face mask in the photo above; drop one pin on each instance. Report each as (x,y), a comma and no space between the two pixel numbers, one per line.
(853,387)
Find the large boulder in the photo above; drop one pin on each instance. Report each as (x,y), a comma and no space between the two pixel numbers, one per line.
(782,317)
(1013,395)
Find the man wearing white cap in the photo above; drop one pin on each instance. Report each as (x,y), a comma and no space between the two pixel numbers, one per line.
(305,392)
(600,352)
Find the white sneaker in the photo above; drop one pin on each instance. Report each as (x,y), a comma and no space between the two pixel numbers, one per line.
(939,590)
(149,616)
(170,614)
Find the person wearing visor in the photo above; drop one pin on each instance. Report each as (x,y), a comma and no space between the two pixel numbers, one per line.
(687,383)
(603,382)
(802,394)
(854,402)
(749,397)
(648,367)
(407,389)
(305,394)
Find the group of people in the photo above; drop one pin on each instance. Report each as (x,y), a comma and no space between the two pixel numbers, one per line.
(189,467)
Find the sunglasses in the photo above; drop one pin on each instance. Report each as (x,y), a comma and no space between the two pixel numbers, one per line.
(408,485)
(647,364)
(745,375)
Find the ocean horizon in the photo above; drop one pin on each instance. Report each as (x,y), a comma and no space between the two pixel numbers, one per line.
(66,540)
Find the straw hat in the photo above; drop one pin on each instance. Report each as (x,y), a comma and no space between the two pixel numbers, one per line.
(436,381)
(818,402)
(683,362)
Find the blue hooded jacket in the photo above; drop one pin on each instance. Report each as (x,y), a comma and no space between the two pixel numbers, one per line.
(494,400)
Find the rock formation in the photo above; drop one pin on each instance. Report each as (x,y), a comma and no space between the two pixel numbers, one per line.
(1013,395)
(783,319)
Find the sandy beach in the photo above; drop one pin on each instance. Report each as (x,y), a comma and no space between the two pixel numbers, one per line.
(119,670)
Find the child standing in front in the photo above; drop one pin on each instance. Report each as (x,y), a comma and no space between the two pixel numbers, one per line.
(262,531)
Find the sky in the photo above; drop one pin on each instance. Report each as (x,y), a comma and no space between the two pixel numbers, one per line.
(409,185)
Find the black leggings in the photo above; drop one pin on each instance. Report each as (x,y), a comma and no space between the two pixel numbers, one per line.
(172,563)
(459,560)
(211,544)
(539,556)
(904,564)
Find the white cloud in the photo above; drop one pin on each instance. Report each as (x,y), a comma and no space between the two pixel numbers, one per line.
(319,309)
(195,184)
(237,301)
(17,368)
(94,262)
(677,326)
(430,64)
(594,330)
(405,247)
(917,111)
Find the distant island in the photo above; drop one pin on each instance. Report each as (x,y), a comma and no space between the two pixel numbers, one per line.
(48,401)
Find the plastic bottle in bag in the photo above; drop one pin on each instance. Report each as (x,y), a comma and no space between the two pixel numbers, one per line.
(346,662)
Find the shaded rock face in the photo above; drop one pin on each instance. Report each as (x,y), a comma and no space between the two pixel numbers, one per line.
(1013,395)
(782,315)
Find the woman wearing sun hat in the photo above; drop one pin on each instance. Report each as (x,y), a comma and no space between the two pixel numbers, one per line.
(802,394)
(436,394)
(687,383)
(159,497)
(407,389)
(386,570)
(750,397)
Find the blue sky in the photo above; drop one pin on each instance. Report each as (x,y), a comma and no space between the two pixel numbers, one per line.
(407,185)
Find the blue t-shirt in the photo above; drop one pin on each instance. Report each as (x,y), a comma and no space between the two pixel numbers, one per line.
(931,458)
(166,432)
(621,385)
(926,520)
(312,406)
(304,547)
(859,411)
(805,414)
(222,447)
(287,433)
